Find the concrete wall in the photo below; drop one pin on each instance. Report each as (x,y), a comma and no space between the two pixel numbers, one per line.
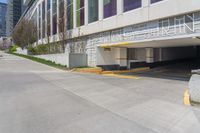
(106,57)
(116,56)
(22,51)
(70,60)
(62,59)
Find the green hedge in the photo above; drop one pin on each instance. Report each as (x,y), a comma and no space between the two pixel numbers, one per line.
(45,49)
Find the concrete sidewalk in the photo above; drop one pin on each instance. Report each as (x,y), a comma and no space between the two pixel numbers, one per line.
(35,98)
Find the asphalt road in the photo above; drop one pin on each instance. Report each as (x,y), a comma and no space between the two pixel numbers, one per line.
(35,98)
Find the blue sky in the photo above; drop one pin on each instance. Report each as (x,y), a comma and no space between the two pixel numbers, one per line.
(4,1)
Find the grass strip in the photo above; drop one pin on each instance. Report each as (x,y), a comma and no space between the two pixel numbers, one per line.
(43,61)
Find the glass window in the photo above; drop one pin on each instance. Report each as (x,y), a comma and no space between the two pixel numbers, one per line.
(132,4)
(93,10)
(39,21)
(61,8)
(69,14)
(48,4)
(54,3)
(154,1)
(61,21)
(80,12)
(109,8)
(48,17)
(43,19)
(54,24)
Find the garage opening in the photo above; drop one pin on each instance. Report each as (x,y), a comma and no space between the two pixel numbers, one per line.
(168,61)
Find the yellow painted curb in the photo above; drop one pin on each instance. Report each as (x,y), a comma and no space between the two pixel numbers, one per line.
(186,99)
(100,71)
(121,76)
(126,71)
(88,70)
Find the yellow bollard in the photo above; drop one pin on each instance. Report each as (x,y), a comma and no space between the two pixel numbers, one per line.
(186,99)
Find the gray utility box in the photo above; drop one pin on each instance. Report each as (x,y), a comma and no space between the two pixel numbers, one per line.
(194,86)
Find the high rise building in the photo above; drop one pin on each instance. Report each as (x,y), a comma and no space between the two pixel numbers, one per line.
(3,9)
(119,34)
(14,12)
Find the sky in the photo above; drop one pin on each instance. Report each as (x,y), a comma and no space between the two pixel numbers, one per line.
(4,1)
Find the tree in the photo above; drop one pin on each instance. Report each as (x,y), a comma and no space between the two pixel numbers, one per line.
(25,33)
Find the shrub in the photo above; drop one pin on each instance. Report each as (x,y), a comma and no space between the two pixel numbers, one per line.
(13,48)
(32,50)
(42,49)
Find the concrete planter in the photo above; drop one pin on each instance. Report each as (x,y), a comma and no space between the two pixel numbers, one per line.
(71,60)
(194,87)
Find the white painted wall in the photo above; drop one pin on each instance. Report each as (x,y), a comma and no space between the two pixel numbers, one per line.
(62,59)
(106,57)
(70,60)
(117,56)
(22,51)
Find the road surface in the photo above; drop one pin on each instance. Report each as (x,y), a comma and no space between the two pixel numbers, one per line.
(35,98)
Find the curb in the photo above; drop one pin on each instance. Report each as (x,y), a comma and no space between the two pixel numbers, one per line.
(100,70)
(88,70)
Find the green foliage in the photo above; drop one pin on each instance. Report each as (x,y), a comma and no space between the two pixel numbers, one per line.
(13,49)
(42,49)
(52,48)
(31,50)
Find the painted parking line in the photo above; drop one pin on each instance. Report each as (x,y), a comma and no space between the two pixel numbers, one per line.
(122,76)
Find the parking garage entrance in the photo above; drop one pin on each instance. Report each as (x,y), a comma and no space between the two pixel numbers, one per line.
(176,62)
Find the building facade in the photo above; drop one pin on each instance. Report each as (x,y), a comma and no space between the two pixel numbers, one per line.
(14,12)
(121,34)
(3,9)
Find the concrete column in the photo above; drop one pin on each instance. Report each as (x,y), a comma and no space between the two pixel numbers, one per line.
(100,9)
(57,8)
(86,12)
(41,29)
(149,55)
(120,7)
(145,3)
(160,54)
(74,13)
(45,18)
(38,24)
(51,19)
(123,57)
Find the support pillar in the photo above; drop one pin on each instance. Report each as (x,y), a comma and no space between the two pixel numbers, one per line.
(122,57)
(74,12)
(100,9)
(149,55)
(86,12)
(120,7)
